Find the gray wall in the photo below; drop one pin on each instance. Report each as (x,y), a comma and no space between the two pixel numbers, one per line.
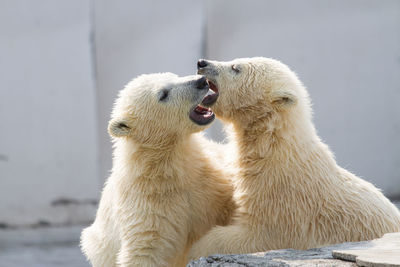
(48,134)
(63,62)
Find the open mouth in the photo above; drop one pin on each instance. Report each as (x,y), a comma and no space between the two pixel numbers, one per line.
(202,114)
(211,96)
(212,86)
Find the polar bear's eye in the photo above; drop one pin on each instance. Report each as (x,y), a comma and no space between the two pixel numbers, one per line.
(235,68)
(163,95)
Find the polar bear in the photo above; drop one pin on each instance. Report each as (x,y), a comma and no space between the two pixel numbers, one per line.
(289,189)
(164,191)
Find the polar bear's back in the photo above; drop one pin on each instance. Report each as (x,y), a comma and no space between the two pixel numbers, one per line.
(353,210)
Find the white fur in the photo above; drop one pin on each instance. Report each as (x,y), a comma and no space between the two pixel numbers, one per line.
(164,192)
(290,191)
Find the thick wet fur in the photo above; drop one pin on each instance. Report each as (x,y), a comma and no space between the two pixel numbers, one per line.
(164,192)
(290,191)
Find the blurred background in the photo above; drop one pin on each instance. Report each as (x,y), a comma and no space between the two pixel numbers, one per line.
(63,62)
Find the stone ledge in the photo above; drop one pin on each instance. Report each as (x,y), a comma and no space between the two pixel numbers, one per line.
(384,251)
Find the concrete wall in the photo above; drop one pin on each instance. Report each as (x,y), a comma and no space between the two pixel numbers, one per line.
(63,62)
(48,131)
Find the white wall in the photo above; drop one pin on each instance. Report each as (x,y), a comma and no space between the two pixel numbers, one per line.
(348,55)
(48,130)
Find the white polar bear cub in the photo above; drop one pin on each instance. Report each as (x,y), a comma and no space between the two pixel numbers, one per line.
(289,189)
(164,192)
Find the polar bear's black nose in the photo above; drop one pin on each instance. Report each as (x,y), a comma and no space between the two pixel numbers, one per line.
(202,63)
(201,83)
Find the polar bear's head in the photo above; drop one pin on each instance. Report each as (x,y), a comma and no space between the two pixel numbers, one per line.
(160,107)
(251,88)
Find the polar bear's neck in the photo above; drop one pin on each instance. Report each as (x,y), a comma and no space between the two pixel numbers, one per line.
(137,160)
(275,131)
(279,142)
(286,162)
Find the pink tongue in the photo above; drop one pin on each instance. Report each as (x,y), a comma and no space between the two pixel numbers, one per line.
(201,115)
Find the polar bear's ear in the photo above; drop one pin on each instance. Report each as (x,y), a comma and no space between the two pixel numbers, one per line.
(283,98)
(118,128)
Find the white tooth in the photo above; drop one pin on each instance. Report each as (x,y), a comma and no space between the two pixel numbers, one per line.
(210,92)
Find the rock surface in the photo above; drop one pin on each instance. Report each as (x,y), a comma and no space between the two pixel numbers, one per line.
(384,251)
(379,252)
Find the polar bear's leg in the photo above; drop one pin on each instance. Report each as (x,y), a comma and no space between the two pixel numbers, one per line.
(151,251)
(98,250)
(232,239)
(155,240)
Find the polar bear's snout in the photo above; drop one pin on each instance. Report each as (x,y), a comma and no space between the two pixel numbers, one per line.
(202,83)
(196,88)
(202,63)
(207,68)
(201,114)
